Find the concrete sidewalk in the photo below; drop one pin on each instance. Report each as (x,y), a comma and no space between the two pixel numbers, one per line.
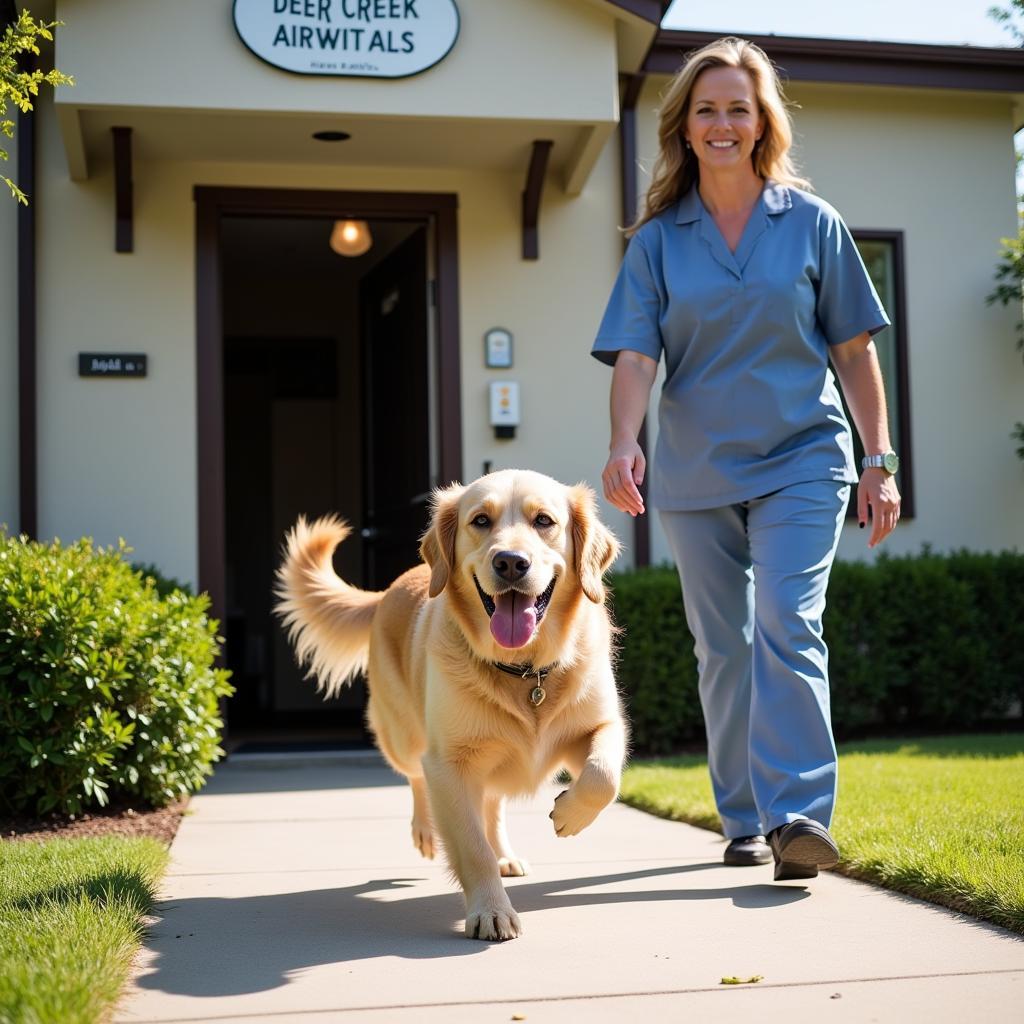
(295,894)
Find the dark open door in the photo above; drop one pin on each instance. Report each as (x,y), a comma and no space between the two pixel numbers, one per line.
(393,299)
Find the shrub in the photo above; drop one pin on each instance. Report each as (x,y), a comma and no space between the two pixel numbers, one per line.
(164,584)
(919,642)
(657,670)
(107,687)
(997,583)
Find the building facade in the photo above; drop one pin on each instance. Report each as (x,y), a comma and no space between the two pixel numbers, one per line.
(186,190)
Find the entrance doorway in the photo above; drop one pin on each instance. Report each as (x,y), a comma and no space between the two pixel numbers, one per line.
(334,388)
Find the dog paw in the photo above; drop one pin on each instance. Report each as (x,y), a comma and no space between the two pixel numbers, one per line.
(423,839)
(571,815)
(513,867)
(493,924)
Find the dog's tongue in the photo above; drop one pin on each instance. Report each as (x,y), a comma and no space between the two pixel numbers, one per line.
(514,619)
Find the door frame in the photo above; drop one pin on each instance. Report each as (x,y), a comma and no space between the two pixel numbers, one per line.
(215,202)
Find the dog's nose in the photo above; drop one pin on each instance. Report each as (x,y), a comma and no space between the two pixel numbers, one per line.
(511,565)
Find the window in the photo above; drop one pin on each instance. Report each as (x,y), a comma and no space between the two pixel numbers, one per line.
(882,252)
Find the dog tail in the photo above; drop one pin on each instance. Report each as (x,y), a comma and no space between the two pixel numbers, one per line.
(328,621)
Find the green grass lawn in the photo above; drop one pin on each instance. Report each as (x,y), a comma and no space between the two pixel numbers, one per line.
(941,819)
(70,920)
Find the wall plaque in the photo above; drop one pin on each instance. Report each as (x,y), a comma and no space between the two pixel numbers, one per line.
(367,38)
(498,348)
(111,364)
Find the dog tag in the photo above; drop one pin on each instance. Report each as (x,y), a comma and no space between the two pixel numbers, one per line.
(537,695)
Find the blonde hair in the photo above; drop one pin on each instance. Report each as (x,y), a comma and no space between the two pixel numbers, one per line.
(676,169)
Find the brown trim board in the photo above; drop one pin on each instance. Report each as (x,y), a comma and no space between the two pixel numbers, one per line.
(632,86)
(212,204)
(28,445)
(650,10)
(863,62)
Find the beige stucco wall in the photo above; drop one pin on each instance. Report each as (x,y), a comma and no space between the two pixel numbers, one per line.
(552,306)
(501,66)
(117,457)
(9,344)
(940,168)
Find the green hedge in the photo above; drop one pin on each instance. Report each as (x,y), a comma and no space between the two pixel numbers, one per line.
(107,684)
(918,642)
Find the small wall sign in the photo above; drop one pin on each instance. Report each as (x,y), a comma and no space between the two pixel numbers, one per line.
(365,38)
(111,364)
(498,348)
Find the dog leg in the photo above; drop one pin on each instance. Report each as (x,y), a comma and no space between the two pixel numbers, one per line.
(422,831)
(596,764)
(494,823)
(457,803)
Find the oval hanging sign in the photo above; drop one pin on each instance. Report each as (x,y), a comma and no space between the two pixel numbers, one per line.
(373,38)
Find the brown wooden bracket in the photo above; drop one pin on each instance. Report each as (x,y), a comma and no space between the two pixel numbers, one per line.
(123,190)
(531,197)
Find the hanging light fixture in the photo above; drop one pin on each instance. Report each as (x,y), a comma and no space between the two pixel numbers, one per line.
(351,237)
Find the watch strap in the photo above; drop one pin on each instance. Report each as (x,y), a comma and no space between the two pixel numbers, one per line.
(889,461)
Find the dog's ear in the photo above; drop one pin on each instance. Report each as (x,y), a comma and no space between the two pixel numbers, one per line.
(594,545)
(437,546)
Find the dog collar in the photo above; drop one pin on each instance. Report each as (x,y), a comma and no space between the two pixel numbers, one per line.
(527,671)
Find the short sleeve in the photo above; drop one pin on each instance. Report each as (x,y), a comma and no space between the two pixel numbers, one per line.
(631,318)
(848,304)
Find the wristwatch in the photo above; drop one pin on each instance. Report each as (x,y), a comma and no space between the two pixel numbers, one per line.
(889,461)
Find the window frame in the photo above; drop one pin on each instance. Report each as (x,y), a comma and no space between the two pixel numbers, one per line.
(902,442)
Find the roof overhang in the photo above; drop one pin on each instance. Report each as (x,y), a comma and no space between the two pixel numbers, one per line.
(470,112)
(865,62)
(287,138)
(868,62)
(637,24)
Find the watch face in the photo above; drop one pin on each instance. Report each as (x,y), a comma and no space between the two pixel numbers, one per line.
(890,462)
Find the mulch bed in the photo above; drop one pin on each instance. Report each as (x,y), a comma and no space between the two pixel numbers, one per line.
(160,823)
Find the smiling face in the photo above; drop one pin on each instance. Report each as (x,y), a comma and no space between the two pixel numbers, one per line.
(516,552)
(513,546)
(724,120)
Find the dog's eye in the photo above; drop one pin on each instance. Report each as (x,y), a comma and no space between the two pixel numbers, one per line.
(543,520)
(482,520)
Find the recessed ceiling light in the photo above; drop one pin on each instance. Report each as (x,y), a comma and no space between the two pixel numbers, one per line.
(331,136)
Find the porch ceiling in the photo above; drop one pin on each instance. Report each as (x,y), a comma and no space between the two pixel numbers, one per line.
(249,137)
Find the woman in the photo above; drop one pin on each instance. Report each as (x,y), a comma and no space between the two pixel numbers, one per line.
(748,285)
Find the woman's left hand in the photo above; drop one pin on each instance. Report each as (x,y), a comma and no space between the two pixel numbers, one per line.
(877,491)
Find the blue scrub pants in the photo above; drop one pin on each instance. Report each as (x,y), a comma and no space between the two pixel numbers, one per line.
(754,576)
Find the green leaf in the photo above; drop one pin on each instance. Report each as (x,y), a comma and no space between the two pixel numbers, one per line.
(87,649)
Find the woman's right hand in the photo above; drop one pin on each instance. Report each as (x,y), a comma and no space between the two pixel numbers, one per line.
(623,474)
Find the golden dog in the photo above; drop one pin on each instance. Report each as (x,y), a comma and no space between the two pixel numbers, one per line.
(489,668)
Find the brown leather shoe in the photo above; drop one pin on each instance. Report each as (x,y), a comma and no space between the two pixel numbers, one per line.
(747,851)
(800,848)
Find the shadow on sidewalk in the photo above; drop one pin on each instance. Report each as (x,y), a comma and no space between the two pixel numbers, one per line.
(231,946)
(238,779)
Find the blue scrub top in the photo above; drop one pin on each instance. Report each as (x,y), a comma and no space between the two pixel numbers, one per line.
(749,404)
